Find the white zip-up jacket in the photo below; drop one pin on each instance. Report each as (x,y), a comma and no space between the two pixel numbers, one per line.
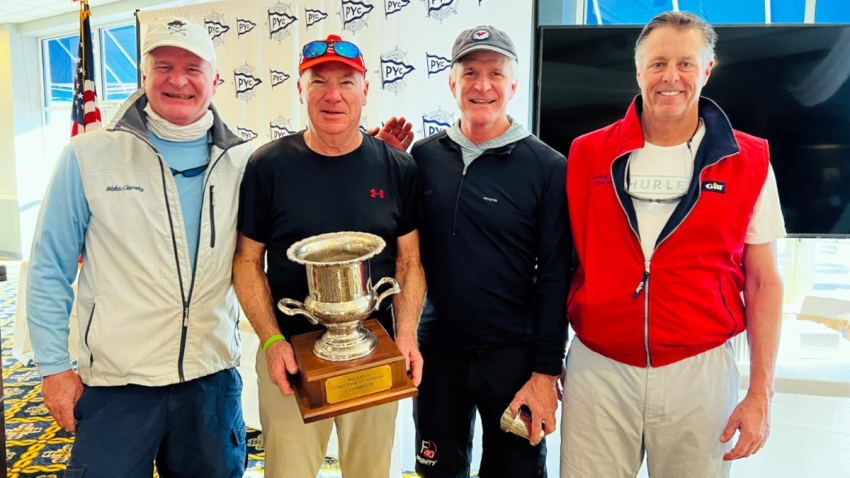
(145,317)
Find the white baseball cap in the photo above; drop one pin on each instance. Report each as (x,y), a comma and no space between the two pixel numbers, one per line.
(181,33)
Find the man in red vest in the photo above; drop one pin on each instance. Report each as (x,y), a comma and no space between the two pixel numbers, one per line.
(674,214)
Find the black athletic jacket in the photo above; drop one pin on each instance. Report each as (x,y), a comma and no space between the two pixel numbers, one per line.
(495,245)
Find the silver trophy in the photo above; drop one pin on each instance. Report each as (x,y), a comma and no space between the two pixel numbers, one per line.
(341,294)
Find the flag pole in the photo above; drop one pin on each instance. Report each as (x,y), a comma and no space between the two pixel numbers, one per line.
(85,114)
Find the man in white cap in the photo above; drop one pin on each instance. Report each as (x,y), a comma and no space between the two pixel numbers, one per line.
(495,247)
(150,203)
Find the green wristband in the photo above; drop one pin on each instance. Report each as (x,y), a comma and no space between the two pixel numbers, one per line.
(271,340)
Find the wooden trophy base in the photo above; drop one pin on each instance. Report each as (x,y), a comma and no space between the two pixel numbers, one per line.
(325,389)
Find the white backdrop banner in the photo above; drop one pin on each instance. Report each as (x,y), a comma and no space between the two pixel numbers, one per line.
(406,45)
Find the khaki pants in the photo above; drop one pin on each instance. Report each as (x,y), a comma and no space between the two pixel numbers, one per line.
(614,413)
(297,450)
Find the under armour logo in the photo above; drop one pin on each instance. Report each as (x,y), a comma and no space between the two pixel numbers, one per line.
(376,193)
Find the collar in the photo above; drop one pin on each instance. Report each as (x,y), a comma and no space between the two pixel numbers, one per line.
(719,140)
(445,140)
(132,117)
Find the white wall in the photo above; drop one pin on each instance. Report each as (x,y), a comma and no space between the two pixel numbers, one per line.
(10,241)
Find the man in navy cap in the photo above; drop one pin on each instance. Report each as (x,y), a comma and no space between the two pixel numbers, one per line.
(494,246)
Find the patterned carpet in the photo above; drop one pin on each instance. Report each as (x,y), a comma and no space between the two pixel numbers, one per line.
(36,447)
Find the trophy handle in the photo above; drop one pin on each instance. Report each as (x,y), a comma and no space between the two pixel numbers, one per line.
(293,307)
(394,289)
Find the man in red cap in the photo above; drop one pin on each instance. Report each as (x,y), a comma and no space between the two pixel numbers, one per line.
(330,177)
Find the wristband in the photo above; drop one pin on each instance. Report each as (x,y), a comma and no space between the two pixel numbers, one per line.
(271,340)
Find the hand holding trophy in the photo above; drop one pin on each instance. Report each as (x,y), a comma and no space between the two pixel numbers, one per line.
(353,364)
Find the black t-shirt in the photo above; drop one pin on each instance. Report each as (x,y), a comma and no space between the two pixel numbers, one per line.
(290,193)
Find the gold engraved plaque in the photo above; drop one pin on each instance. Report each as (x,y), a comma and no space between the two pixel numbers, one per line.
(326,388)
(358,384)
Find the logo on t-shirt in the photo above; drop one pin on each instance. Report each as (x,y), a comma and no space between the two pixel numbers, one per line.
(377,193)
(714,187)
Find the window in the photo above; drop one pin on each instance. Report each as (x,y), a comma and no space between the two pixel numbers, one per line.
(115,72)
(609,12)
(59,57)
(118,66)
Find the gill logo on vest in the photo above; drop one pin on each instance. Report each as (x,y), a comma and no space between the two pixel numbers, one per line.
(714,187)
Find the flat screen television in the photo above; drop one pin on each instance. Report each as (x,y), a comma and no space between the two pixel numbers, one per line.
(788,84)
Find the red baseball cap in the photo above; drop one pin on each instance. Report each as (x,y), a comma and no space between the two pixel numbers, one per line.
(312,54)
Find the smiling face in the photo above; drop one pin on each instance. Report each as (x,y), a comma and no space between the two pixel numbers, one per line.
(672,70)
(179,84)
(335,94)
(483,83)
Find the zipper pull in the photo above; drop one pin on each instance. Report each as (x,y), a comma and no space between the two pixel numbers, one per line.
(642,283)
(464,170)
(185,314)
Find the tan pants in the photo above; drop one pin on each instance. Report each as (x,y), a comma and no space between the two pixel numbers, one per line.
(297,450)
(614,413)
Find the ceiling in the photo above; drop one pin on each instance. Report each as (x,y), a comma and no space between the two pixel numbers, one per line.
(21,11)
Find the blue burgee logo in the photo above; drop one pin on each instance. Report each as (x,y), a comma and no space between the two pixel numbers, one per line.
(279,21)
(214,22)
(441,9)
(436,63)
(244,26)
(435,121)
(314,16)
(280,127)
(394,68)
(245,81)
(246,133)
(278,77)
(354,15)
(394,6)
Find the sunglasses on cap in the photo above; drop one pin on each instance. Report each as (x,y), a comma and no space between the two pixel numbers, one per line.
(342,48)
(331,49)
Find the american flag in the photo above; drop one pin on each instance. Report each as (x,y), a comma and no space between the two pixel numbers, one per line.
(85,114)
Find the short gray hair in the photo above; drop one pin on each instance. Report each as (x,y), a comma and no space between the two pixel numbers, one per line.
(513,66)
(684,21)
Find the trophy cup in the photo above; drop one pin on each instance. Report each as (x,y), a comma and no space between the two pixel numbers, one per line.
(354,364)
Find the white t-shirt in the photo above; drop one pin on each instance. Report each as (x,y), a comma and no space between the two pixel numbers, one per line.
(662,172)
